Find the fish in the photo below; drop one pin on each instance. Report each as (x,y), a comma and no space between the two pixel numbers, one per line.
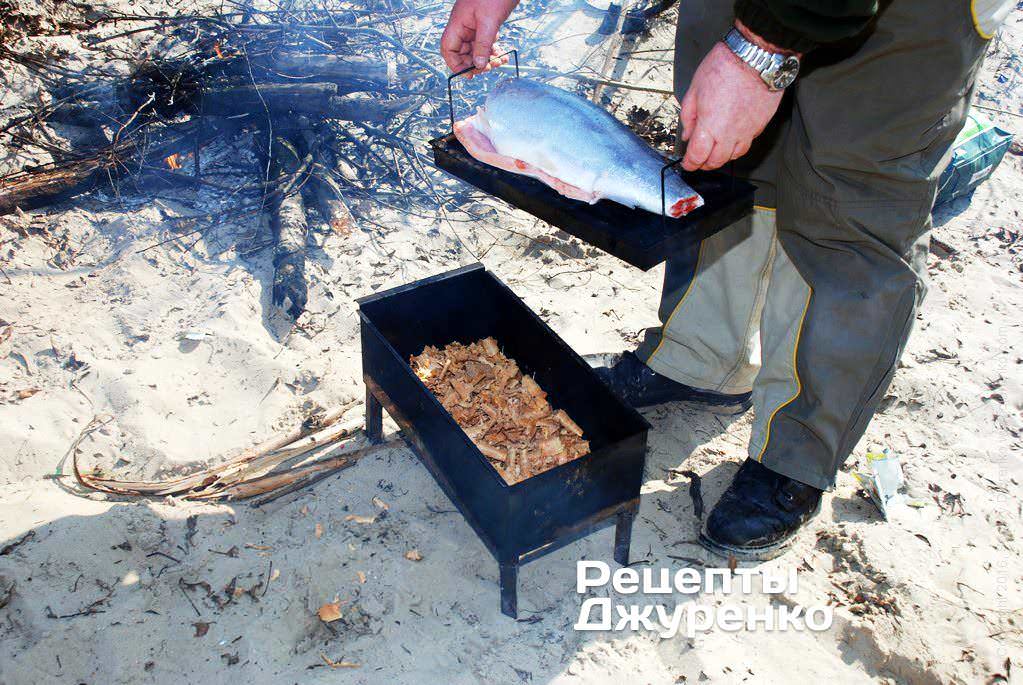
(575,147)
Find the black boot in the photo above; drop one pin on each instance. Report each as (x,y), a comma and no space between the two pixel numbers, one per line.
(759,513)
(639,386)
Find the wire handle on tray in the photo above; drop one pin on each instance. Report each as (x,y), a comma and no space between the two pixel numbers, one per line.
(664,171)
(451,101)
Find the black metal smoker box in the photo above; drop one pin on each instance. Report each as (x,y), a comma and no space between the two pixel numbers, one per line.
(641,238)
(526,520)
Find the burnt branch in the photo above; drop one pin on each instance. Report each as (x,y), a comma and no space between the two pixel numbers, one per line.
(290,169)
(319,99)
(38,187)
(326,189)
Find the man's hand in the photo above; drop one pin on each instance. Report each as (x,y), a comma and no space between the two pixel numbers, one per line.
(726,107)
(469,37)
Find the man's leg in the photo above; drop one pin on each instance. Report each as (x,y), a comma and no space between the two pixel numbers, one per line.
(707,346)
(868,137)
(711,317)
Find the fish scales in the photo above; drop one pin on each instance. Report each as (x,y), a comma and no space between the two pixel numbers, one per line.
(572,145)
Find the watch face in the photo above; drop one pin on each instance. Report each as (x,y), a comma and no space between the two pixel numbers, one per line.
(786,73)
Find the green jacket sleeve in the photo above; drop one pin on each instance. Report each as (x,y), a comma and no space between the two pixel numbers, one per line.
(801,25)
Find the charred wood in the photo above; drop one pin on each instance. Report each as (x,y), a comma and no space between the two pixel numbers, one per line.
(316,99)
(289,168)
(325,188)
(338,68)
(38,187)
(41,186)
(177,86)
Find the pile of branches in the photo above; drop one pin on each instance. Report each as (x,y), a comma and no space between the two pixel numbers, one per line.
(280,466)
(327,97)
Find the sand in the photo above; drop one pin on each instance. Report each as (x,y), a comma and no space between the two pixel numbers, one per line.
(101,590)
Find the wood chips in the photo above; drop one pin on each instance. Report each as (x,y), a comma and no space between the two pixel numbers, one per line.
(504,412)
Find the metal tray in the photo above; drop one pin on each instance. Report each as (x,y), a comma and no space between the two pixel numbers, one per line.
(641,238)
(531,518)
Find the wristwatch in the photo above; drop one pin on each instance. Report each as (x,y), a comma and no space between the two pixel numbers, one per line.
(777,70)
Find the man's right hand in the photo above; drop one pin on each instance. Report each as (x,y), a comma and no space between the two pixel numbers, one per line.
(468,40)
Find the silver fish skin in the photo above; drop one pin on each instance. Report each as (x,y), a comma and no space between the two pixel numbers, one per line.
(579,143)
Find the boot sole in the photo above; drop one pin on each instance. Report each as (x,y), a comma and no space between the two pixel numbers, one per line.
(765,553)
(746,553)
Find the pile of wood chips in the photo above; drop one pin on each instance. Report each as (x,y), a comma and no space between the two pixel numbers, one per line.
(504,412)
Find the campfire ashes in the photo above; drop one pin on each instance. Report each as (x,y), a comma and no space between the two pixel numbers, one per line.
(503,411)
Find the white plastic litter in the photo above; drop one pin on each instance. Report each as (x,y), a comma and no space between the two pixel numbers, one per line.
(885,483)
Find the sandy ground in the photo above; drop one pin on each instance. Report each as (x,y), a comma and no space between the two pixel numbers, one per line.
(105,591)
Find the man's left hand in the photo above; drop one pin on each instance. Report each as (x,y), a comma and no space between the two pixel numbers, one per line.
(726,107)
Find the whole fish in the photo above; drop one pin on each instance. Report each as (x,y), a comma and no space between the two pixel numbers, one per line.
(572,145)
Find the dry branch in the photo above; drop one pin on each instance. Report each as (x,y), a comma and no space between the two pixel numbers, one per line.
(224,472)
(249,473)
(293,479)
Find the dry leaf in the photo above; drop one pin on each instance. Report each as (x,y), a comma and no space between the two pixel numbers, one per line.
(249,545)
(319,531)
(413,555)
(304,510)
(380,503)
(201,628)
(26,393)
(329,612)
(338,664)
(361,519)
(361,576)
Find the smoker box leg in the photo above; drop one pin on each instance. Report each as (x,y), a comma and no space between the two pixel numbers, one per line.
(509,590)
(623,535)
(374,417)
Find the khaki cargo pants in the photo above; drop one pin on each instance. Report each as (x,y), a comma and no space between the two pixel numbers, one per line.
(809,302)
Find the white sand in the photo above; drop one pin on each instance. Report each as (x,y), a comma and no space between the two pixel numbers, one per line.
(102,337)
